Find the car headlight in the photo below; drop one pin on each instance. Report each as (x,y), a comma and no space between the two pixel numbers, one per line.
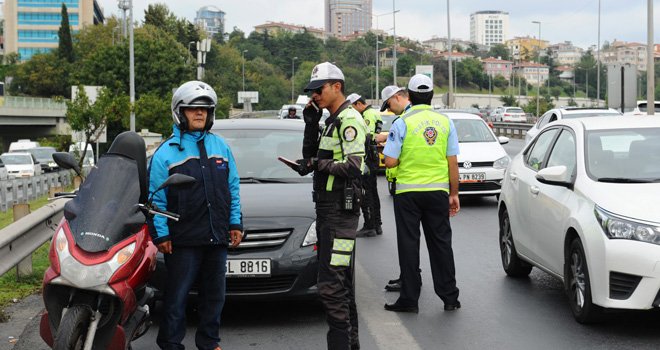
(616,227)
(310,237)
(502,163)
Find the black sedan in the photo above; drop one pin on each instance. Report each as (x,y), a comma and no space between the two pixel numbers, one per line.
(277,257)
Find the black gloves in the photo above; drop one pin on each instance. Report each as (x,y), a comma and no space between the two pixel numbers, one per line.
(306,166)
(311,113)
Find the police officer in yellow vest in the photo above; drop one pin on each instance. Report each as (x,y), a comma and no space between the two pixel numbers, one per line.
(423,144)
(337,159)
(371,203)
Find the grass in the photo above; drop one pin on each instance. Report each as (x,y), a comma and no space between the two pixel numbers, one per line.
(11,286)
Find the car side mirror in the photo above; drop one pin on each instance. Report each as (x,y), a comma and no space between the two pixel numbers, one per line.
(503,140)
(555,175)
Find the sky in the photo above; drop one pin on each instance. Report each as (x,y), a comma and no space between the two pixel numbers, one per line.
(561,20)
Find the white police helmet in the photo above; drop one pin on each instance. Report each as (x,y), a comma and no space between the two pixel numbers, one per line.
(193,94)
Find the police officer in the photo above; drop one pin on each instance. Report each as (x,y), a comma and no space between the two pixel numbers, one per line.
(424,146)
(337,159)
(371,203)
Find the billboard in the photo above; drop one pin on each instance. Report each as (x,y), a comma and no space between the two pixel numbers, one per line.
(426,70)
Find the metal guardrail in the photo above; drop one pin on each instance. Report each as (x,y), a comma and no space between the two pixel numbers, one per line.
(514,130)
(31,102)
(21,238)
(22,190)
(256,114)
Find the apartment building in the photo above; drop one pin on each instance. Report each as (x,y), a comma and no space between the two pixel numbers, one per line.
(489,27)
(31,26)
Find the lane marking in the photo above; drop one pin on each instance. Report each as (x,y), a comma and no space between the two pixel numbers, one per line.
(386,327)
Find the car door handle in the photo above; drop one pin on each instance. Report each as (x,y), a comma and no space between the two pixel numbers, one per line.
(534,190)
(513,176)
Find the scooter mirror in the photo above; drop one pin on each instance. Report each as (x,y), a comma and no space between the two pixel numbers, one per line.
(66,161)
(176,180)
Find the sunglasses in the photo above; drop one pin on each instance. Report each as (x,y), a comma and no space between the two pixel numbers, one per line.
(319,90)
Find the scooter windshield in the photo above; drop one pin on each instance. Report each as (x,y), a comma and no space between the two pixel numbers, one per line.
(105,211)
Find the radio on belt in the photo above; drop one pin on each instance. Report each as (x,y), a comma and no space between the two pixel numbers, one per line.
(348,198)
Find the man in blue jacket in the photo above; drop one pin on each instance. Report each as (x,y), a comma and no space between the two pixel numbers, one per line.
(210,216)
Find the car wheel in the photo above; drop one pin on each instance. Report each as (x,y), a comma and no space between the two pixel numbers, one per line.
(391,187)
(512,264)
(578,285)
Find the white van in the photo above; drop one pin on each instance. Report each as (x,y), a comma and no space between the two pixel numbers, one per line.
(22,145)
(76,150)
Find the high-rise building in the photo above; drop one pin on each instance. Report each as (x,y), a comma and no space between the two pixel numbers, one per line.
(32,26)
(489,27)
(211,19)
(346,17)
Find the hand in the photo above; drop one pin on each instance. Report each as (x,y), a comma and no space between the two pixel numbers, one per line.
(305,166)
(165,247)
(454,205)
(236,237)
(311,113)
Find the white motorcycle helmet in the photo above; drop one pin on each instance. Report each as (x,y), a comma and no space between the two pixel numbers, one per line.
(193,94)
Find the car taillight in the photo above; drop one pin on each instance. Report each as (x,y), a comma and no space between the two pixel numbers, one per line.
(507,114)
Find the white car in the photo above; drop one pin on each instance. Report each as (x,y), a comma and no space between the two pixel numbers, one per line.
(510,115)
(3,170)
(642,108)
(481,160)
(581,203)
(21,164)
(567,113)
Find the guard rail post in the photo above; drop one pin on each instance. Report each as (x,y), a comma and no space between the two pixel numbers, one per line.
(24,267)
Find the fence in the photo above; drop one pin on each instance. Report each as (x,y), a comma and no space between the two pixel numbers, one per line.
(22,190)
(514,130)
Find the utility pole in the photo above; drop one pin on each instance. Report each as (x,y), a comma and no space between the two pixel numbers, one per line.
(293,72)
(538,73)
(650,64)
(131,55)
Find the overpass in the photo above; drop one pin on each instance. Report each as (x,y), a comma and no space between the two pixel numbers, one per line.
(30,118)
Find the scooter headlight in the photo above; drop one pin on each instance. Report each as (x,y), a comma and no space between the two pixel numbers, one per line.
(88,276)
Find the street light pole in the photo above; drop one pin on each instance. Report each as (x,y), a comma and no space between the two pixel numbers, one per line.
(450,94)
(394,25)
(538,73)
(598,61)
(131,55)
(377,67)
(650,64)
(293,72)
(243,59)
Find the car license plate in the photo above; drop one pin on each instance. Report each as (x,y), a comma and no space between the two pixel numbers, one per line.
(472,177)
(248,267)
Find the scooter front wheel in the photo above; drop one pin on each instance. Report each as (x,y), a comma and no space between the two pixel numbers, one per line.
(73,328)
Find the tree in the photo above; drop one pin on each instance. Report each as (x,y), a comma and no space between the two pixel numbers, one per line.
(555,91)
(509,100)
(499,50)
(65,48)
(44,75)
(91,118)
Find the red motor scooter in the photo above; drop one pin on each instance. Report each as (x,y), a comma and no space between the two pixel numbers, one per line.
(101,254)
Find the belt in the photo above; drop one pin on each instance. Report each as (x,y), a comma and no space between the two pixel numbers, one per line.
(324,196)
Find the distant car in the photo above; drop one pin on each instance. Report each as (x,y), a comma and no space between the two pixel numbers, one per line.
(22,145)
(3,171)
(44,155)
(20,164)
(278,255)
(567,113)
(482,159)
(284,111)
(581,203)
(641,108)
(509,115)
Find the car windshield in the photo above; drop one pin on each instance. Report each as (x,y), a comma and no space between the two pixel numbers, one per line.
(14,159)
(624,155)
(256,153)
(387,121)
(43,153)
(472,130)
(643,106)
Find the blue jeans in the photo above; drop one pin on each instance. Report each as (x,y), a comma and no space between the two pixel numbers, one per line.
(184,266)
